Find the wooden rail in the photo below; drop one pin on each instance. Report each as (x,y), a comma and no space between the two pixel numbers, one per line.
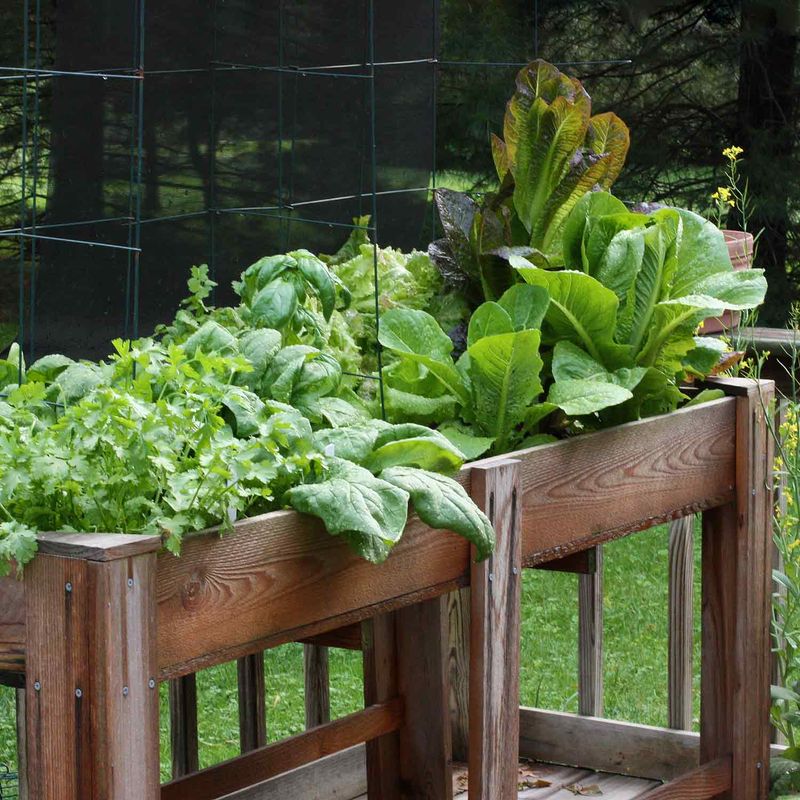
(554,508)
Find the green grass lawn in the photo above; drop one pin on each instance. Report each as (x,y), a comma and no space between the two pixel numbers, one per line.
(635,657)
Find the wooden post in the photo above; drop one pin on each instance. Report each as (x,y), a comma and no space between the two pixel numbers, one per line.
(91,690)
(458,603)
(737,561)
(405,654)
(183,725)
(590,639)
(252,702)
(22,760)
(495,586)
(681,623)
(317,685)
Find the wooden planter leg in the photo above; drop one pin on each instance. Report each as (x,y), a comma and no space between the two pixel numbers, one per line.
(681,622)
(736,607)
(458,603)
(92,692)
(317,685)
(183,725)
(405,653)
(252,702)
(494,640)
(590,638)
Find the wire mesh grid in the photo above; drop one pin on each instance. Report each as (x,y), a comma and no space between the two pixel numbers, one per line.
(118,237)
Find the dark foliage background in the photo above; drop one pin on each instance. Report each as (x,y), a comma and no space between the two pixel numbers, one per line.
(236,155)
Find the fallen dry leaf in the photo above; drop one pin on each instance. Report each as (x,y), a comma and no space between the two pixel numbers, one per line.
(590,790)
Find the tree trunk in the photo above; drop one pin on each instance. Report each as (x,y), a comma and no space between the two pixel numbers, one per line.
(767,105)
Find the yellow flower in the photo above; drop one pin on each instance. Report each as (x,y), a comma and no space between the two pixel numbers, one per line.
(722,194)
(732,153)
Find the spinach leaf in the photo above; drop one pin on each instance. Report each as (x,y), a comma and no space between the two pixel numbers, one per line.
(442,503)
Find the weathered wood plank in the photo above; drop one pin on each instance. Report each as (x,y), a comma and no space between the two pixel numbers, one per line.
(425,755)
(607,745)
(274,759)
(590,489)
(97,546)
(212,598)
(681,623)
(581,563)
(341,776)
(703,783)
(458,613)
(12,625)
(495,588)
(92,700)
(316,685)
(183,725)
(347,638)
(590,639)
(252,702)
(737,564)
(380,685)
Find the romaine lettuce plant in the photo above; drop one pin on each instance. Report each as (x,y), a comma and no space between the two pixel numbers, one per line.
(623,316)
(552,153)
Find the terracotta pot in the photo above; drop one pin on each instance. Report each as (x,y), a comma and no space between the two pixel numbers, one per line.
(740,250)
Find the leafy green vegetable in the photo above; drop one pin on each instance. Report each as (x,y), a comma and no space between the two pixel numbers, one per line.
(369,512)
(553,152)
(624,318)
(442,503)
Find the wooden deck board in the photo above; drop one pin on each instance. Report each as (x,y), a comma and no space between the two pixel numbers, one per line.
(561,783)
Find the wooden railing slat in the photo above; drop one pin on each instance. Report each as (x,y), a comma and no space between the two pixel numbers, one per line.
(183,725)
(681,623)
(590,639)
(252,702)
(274,759)
(316,685)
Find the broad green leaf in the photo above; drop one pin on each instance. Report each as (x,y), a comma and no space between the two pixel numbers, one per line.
(47,368)
(338,412)
(351,443)
(535,440)
(702,252)
(706,396)
(211,337)
(526,305)
(572,363)
(488,319)
(504,371)
(319,277)
(705,355)
(581,309)
(586,396)
(413,332)
(275,304)
(262,272)
(417,336)
(244,411)
(422,451)
(404,406)
(259,347)
(368,512)
(442,503)
(737,291)
(470,444)
(78,380)
(592,206)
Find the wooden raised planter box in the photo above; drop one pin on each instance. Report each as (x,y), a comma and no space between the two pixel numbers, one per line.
(99,619)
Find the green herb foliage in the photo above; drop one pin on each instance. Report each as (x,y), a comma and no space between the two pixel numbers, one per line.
(213,421)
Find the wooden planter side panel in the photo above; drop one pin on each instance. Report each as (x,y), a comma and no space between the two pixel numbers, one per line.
(282,577)
(12,625)
(592,488)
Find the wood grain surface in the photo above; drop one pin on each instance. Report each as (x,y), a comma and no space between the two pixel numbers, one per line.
(495,589)
(274,759)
